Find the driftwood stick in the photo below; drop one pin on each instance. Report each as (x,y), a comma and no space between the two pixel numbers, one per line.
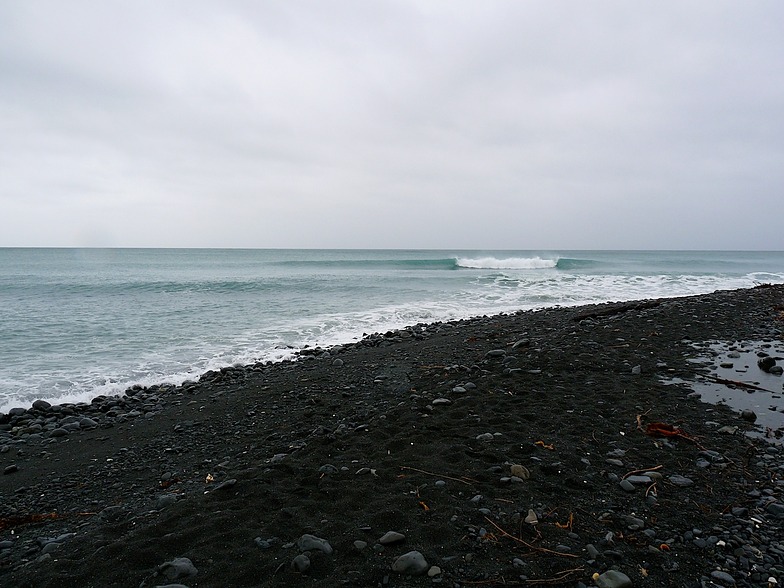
(727,382)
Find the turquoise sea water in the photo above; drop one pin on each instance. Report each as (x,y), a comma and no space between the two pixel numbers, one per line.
(76,323)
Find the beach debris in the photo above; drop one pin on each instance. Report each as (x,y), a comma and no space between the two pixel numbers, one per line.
(544,445)
(735,383)
(466,481)
(568,524)
(531,518)
(667,430)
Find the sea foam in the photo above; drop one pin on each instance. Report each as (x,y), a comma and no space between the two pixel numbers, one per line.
(511,263)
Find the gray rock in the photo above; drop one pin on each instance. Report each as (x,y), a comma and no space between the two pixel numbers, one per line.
(681,481)
(225,485)
(722,577)
(301,563)
(413,563)
(485,437)
(639,480)
(748,415)
(613,579)
(627,485)
(179,567)
(41,405)
(313,543)
(392,537)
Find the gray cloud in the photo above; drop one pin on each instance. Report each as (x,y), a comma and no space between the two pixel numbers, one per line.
(391,124)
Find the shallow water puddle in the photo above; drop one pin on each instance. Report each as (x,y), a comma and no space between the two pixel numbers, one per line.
(729,373)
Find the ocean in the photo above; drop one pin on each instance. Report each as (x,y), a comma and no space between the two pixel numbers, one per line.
(77,323)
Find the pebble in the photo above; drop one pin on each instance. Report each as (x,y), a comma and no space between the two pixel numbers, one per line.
(413,563)
(613,579)
(301,563)
(722,577)
(748,415)
(520,471)
(179,567)
(681,481)
(312,543)
(392,537)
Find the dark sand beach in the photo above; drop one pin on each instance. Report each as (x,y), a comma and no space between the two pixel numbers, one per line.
(531,449)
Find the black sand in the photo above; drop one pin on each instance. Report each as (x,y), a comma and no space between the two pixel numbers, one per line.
(351,444)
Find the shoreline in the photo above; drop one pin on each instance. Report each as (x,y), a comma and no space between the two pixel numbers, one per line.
(402,431)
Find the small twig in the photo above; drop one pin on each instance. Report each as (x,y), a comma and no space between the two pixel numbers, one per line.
(633,472)
(528,545)
(466,481)
(556,579)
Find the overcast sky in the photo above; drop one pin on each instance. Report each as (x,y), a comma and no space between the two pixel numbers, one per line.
(392,123)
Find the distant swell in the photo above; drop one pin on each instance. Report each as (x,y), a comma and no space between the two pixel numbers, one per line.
(507,264)
(565,263)
(447,263)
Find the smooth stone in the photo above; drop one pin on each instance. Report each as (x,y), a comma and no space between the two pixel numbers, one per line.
(639,480)
(681,481)
(627,486)
(413,563)
(179,567)
(722,577)
(520,471)
(360,545)
(301,563)
(434,571)
(531,518)
(41,405)
(225,485)
(312,543)
(485,437)
(441,401)
(391,537)
(613,579)
(748,415)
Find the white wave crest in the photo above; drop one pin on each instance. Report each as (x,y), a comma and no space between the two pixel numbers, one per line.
(506,264)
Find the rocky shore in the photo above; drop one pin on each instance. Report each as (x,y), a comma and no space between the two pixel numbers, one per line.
(546,448)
